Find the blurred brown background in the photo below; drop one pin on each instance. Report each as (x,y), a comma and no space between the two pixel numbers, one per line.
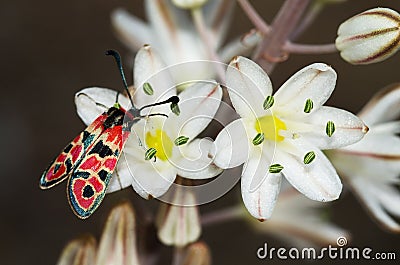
(52,49)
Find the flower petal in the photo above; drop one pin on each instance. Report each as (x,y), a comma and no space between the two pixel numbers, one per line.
(384,106)
(166,20)
(317,180)
(379,145)
(389,198)
(315,82)
(290,222)
(232,145)
(198,104)
(365,192)
(260,188)
(372,168)
(348,128)
(149,178)
(151,69)
(195,163)
(148,181)
(93,101)
(121,177)
(248,86)
(177,39)
(132,31)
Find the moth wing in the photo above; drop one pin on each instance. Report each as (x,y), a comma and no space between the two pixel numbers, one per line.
(61,167)
(89,180)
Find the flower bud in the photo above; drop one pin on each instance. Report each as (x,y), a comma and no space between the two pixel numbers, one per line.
(197,254)
(80,251)
(189,4)
(369,37)
(118,241)
(179,224)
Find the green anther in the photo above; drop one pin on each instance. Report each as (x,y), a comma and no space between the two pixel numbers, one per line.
(117,105)
(150,153)
(148,89)
(175,109)
(275,168)
(309,157)
(258,139)
(181,140)
(330,128)
(308,106)
(268,102)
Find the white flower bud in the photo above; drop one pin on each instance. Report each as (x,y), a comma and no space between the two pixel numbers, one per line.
(369,37)
(178,224)
(189,4)
(81,251)
(118,241)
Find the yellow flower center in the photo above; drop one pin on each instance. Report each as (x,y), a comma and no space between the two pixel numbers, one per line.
(270,126)
(161,142)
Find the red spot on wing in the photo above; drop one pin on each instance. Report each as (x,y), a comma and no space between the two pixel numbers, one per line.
(91,163)
(114,134)
(61,158)
(97,123)
(52,174)
(79,185)
(96,183)
(110,163)
(76,152)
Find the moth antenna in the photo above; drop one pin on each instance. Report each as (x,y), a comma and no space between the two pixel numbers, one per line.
(157,114)
(173,100)
(117,58)
(116,97)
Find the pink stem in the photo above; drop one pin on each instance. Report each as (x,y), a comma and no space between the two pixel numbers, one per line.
(221,216)
(309,48)
(254,17)
(270,52)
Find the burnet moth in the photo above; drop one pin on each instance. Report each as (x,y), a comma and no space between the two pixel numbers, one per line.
(91,158)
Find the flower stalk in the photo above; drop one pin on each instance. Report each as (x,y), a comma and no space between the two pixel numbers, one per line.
(270,51)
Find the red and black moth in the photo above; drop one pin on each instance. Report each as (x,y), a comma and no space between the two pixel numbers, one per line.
(91,158)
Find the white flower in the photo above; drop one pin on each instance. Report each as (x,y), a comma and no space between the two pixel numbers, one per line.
(198,105)
(369,37)
(301,221)
(284,134)
(171,31)
(372,166)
